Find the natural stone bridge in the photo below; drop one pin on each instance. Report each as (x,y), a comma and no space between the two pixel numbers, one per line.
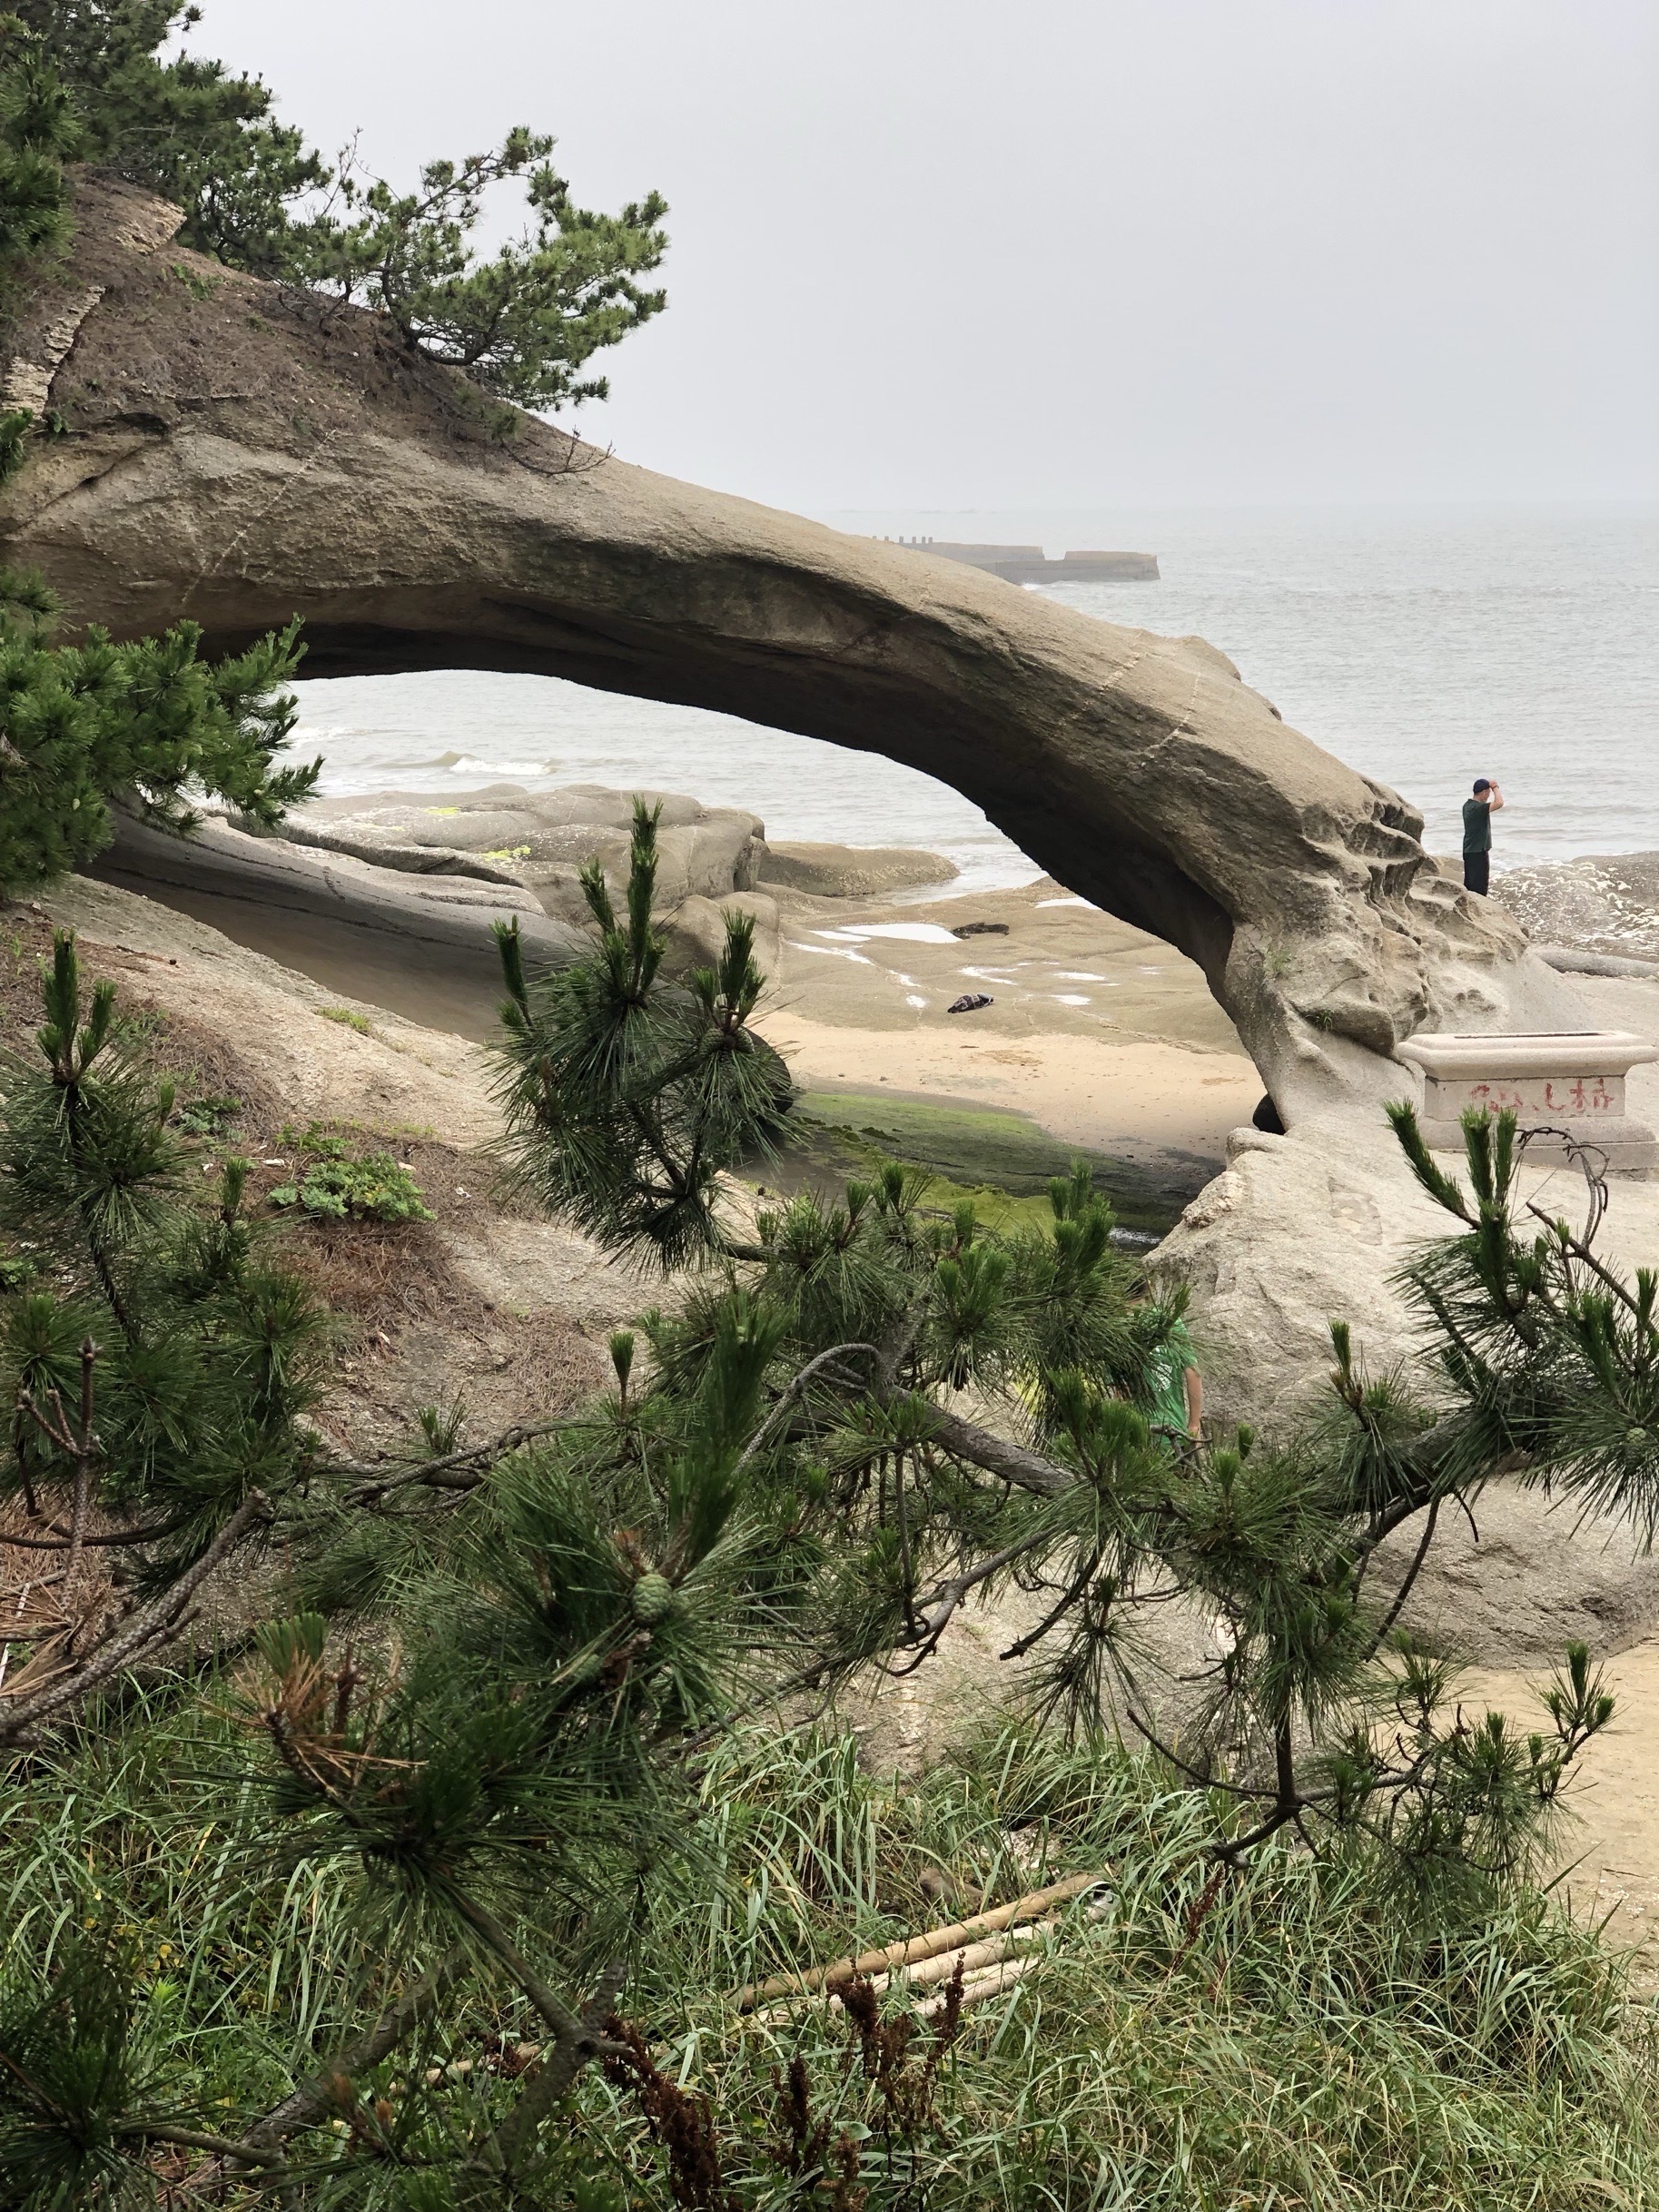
(238,453)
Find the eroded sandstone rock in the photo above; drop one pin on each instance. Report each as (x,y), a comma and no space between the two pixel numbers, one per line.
(238,452)
(852,871)
(541,840)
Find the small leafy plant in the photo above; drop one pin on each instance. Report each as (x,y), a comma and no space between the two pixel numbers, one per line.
(208,1117)
(332,1181)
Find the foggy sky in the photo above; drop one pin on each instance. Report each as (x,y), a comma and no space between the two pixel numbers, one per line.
(956,254)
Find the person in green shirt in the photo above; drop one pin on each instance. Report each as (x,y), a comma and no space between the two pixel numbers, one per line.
(1477,815)
(1175,1388)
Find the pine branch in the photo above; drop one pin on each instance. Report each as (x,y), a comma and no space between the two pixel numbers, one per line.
(1412,1572)
(84,1450)
(1010,1463)
(221,2147)
(510,1440)
(555,2076)
(124,1643)
(942,1602)
(790,1392)
(112,1537)
(567,2026)
(318,2095)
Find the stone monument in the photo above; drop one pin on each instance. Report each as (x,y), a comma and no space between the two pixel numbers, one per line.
(1567,1086)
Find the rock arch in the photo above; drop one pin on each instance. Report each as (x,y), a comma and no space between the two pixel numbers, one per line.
(237,453)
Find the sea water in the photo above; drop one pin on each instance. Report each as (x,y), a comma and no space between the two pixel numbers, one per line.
(1423,646)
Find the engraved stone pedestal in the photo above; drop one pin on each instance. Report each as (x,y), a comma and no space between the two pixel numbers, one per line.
(1571,1082)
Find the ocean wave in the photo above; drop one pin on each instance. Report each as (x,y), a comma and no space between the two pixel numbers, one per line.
(471,764)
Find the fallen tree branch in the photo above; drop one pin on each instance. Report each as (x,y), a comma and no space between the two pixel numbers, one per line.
(926,1946)
(973,1961)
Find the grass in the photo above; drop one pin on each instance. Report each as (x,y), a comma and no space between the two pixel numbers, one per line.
(347,1019)
(1293,2047)
(1001,1160)
(199,287)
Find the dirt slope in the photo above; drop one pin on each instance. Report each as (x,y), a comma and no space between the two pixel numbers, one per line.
(483,1303)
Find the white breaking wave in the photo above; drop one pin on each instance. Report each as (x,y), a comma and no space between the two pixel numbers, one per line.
(469,763)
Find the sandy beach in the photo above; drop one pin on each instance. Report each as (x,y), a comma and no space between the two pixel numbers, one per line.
(1100,1036)
(1104,1036)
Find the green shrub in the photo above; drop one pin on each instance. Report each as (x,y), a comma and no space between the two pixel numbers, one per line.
(208,1117)
(332,1181)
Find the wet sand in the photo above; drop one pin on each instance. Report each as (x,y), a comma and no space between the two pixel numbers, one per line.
(1105,1036)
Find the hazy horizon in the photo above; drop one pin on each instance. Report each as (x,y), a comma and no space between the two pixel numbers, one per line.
(957,254)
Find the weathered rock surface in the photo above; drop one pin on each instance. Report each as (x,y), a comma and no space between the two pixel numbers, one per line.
(540,840)
(418,945)
(1315,1226)
(853,872)
(397,894)
(696,931)
(237,453)
(504,1311)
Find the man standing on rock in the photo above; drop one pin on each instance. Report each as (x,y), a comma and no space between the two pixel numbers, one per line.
(1477,815)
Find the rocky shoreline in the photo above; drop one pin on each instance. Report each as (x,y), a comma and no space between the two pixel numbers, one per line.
(1099,1037)
(1290,1231)
(1104,1037)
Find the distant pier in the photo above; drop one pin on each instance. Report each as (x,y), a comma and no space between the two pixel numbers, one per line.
(1031,565)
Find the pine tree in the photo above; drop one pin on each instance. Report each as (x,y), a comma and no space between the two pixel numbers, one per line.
(889,1320)
(159,1360)
(628,1097)
(84,728)
(522,321)
(184,128)
(475,1682)
(155,1358)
